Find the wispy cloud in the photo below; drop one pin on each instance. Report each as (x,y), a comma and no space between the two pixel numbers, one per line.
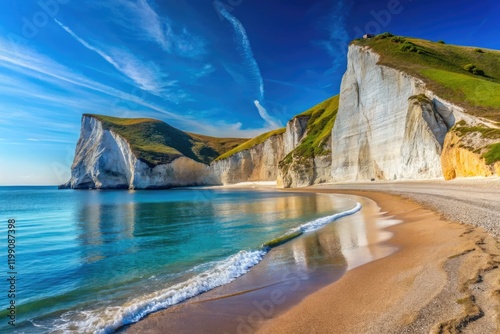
(294,85)
(146,77)
(265,116)
(31,63)
(245,48)
(49,140)
(250,63)
(207,69)
(338,37)
(27,62)
(141,18)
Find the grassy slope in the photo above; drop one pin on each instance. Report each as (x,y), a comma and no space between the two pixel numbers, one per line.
(156,142)
(319,129)
(440,66)
(251,143)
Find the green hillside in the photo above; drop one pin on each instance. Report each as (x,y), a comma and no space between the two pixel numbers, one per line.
(466,76)
(155,142)
(318,133)
(251,143)
(319,128)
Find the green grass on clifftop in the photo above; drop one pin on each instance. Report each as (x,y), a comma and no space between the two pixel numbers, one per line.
(493,154)
(319,129)
(251,143)
(155,142)
(448,70)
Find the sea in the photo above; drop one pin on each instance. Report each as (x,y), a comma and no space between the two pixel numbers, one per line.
(95,261)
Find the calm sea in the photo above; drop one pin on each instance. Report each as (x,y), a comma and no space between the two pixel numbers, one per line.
(93,261)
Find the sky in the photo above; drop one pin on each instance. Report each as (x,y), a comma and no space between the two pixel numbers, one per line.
(226,68)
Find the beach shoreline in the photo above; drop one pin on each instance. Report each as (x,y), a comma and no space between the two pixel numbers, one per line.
(444,277)
(437,263)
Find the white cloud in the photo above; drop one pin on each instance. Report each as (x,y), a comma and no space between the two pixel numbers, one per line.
(245,47)
(146,77)
(272,122)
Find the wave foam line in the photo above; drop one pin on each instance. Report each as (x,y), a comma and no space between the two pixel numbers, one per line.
(118,316)
(320,222)
(309,227)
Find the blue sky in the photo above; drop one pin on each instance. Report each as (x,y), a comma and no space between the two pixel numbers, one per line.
(223,68)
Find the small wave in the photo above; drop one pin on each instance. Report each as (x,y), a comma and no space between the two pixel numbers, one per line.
(309,227)
(320,222)
(112,318)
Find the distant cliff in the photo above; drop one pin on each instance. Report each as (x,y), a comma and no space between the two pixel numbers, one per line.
(255,160)
(298,155)
(117,153)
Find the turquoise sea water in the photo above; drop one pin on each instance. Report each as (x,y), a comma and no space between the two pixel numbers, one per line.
(93,261)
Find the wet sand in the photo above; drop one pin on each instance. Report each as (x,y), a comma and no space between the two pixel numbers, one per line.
(352,277)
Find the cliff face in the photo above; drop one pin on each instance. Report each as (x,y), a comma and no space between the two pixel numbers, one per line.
(387,128)
(297,157)
(295,131)
(104,160)
(308,161)
(259,163)
(463,156)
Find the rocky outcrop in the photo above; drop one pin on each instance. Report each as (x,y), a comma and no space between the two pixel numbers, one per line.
(104,160)
(295,131)
(462,156)
(258,163)
(388,126)
(303,172)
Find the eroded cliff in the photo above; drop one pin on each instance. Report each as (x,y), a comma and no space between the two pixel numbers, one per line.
(469,151)
(105,160)
(386,127)
(309,160)
(390,122)
(256,163)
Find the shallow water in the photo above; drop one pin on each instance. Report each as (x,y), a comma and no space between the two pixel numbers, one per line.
(92,261)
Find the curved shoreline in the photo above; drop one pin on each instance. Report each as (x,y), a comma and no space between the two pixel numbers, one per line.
(431,282)
(444,277)
(277,284)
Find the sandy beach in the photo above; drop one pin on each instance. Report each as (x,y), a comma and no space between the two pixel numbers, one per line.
(429,274)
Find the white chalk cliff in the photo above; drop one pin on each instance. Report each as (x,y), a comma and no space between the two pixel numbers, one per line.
(388,126)
(258,163)
(104,160)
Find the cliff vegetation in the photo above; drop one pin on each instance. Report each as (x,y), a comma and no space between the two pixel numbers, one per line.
(466,76)
(155,142)
(318,132)
(251,143)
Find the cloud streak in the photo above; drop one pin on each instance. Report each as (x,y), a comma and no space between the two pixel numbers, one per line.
(245,47)
(338,37)
(145,77)
(250,62)
(265,116)
(142,18)
(24,60)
